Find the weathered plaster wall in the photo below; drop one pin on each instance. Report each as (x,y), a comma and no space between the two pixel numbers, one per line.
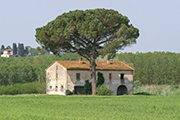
(60,81)
(113,84)
(115,81)
(84,75)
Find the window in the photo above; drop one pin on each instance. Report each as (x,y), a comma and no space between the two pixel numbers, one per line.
(62,88)
(77,76)
(56,88)
(50,87)
(122,78)
(56,75)
(110,76)
(56,68)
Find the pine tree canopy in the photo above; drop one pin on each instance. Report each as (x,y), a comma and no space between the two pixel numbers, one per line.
(107,31)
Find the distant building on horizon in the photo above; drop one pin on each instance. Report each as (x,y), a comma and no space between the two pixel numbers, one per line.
(7,53)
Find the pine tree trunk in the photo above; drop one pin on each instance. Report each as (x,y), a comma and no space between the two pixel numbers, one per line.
(93,72)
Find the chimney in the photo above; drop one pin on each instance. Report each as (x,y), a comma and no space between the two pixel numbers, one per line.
(108,61)
(80,60)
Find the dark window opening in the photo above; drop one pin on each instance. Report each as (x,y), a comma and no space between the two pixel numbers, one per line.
(56,75)
(50,87)
(56,88)
(110,76)
(122,78)
(77,76)
(62,88)
(56,68)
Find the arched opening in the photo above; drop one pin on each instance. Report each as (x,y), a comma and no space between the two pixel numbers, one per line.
(121,90)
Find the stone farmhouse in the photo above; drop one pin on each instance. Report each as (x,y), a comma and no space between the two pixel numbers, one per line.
(71,75)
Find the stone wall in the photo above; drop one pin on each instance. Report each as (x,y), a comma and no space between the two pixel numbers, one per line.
(113,84)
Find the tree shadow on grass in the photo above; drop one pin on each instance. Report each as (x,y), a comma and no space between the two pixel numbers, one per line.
(142,93)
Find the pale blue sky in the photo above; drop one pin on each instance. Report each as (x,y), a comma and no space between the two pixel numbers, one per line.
(157,20)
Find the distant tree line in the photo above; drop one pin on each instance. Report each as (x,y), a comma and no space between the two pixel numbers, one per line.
(153,68)
(150,68)
(28,69)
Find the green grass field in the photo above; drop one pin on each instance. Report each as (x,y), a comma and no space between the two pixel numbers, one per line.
(52,107)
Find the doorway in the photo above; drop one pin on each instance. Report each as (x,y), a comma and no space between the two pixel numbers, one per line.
(79,90)
(121,90)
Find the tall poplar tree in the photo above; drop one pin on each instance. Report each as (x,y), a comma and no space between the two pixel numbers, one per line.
(90,33)
(26,50)
(21,49)
(14,49)
(2,47)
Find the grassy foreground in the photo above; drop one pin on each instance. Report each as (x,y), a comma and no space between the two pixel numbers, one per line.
(51,107)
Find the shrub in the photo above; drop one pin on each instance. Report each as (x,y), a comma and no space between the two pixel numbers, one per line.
(174,86)
(68,92)
(156,91)
(176,92)
(137,84)
(103,90)
(100,79)
(87,87)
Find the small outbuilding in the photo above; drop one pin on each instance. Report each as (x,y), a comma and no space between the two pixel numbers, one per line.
(71,75)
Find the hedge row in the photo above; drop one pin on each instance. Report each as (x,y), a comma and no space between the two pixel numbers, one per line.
(26,88)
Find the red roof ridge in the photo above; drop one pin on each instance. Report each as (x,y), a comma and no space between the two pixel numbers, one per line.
(61,64)
(127,65)
(8,50)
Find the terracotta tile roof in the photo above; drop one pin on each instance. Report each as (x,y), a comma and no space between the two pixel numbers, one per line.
(8,50)
(101,65)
